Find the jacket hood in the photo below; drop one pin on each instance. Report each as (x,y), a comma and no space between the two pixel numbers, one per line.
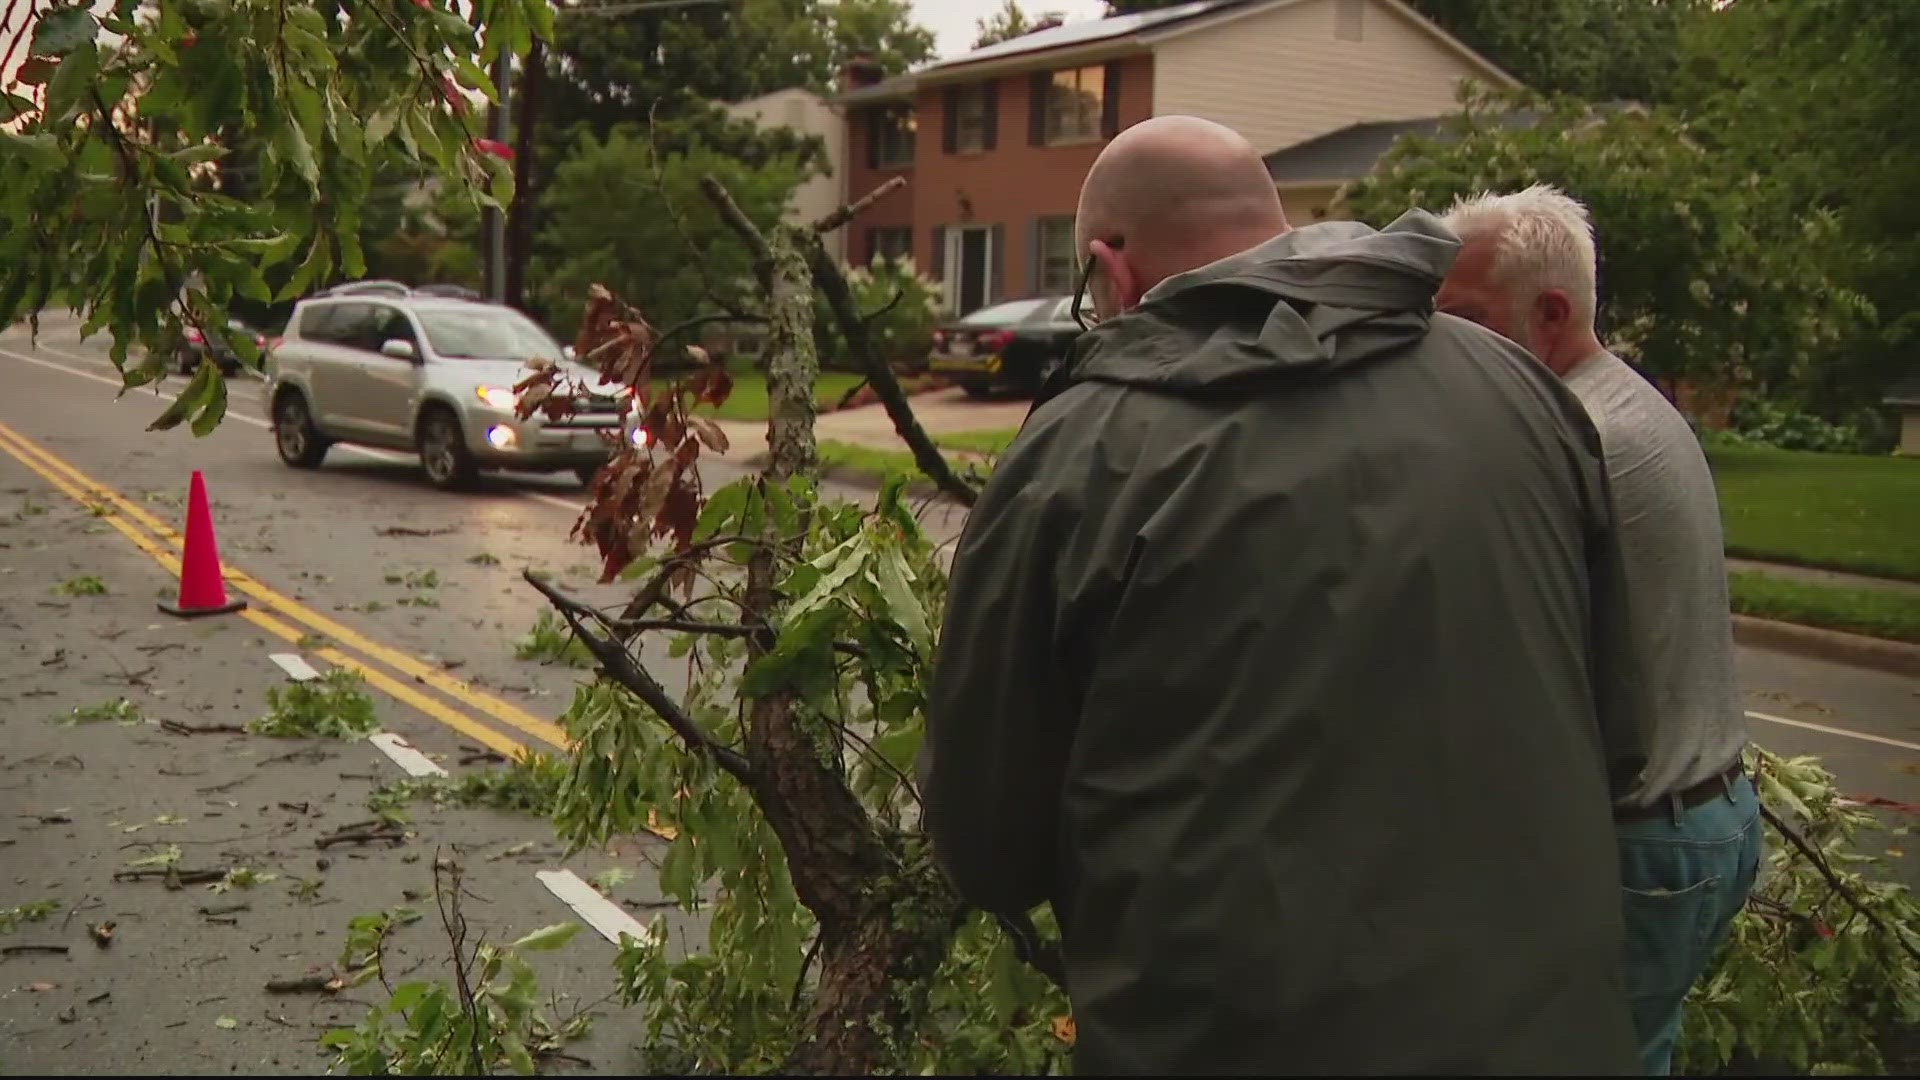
(1307,302)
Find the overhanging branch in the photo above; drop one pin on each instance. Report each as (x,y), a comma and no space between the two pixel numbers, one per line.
(630,673)
(846,314)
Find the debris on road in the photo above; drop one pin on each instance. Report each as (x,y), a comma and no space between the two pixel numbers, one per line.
(362,832)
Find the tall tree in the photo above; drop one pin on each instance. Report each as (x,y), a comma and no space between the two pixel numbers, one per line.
(1602,50)
(1011,22)
(1823,119)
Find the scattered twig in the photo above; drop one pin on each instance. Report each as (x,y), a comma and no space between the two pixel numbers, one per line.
(318,983)
(173,876)
(23,950)
(407,530)
(179,728)
(365,833)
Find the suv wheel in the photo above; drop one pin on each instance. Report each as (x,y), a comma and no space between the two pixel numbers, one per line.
(443,451)
(300,444)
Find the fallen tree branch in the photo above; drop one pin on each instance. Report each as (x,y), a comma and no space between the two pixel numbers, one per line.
(630,673)
(1819,861)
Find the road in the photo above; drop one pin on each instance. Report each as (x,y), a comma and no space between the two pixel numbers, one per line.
(324,560)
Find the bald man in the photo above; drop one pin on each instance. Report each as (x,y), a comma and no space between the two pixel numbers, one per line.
(1284,657)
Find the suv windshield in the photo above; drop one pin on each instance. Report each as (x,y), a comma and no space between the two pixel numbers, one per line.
(486,334)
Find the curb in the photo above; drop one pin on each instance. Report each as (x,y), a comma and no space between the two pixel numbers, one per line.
(1858,650)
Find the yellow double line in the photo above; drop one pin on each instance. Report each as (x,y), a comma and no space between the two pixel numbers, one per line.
(161,542)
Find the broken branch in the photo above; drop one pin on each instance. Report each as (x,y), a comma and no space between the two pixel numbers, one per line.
(859,206)
(628,672)
(846,314)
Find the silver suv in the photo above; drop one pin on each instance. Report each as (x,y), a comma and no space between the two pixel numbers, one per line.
(405,370)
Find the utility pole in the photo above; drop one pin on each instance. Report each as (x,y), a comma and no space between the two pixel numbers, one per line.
(496,223)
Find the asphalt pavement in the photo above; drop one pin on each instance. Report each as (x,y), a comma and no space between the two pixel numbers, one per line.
(332,563)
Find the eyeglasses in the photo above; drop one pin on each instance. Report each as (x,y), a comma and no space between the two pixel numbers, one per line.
(1082,313)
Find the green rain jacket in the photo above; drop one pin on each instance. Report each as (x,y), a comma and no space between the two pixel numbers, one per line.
(1284,656)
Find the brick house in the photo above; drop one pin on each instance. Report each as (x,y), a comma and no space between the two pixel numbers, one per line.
(994,143)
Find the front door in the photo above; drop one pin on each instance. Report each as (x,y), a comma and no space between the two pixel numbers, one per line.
(970,253)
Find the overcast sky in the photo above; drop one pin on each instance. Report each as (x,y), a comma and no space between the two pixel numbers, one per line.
(952,21)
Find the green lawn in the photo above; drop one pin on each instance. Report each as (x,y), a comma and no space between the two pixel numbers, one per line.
(1875,612)
(749,398)
(1839,511)
(985,443)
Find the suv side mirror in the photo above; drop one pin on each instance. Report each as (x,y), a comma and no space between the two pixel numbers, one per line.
(399,349)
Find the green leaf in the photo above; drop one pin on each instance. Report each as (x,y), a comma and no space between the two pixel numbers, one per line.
(894,578)
(189,400)
(67,91)
(42,150)
(723,509)
(311,46)
(292,148)
(63,30)
(215,408)
(547,938)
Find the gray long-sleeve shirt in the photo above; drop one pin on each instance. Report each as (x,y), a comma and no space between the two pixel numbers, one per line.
(1676,574)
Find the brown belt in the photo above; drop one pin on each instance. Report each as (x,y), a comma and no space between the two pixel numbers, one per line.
(1713,787)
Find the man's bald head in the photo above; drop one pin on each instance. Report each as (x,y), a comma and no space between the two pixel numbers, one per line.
(1178,192)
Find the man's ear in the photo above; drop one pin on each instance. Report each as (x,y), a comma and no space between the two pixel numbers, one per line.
(1554,309)
(1119,273)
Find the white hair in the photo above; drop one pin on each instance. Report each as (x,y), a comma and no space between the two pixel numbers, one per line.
(1543,240)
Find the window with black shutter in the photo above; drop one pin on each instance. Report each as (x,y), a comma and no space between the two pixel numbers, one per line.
(890,137)
(971,117)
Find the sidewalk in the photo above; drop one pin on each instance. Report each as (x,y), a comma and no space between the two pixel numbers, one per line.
(1815,576)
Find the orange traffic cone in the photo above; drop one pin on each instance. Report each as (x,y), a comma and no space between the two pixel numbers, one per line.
(202,589)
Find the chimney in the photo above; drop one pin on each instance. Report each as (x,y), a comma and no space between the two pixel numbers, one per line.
(860,70)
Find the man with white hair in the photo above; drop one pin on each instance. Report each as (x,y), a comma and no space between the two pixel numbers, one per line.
(1689,829)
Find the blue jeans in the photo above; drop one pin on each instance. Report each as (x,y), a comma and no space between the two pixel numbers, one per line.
(1686,876)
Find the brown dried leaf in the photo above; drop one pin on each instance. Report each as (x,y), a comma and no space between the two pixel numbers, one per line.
(698,355)
(709,432)
(713,385)
(1063,1029)
(42,987)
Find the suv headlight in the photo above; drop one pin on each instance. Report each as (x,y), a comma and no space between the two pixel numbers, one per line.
(498,397)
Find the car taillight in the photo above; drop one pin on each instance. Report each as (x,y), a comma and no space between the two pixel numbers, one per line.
(939,339)
(993,341)
(193,335)
(259,342)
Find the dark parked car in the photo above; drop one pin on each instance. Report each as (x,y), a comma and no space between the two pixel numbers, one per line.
(1006,346)
(195,346)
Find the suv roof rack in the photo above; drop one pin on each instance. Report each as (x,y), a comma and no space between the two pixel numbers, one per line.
(367,288)
(401,290)
(456,292)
